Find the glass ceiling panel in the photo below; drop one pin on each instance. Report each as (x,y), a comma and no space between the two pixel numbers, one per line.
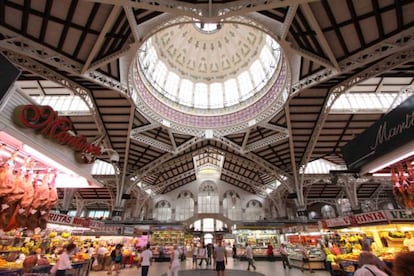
(254,63)
(368,102)
(322,166)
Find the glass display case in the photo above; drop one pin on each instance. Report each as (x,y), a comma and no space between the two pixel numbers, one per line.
(316,257)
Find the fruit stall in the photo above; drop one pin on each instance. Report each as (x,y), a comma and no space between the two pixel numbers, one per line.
(384,231)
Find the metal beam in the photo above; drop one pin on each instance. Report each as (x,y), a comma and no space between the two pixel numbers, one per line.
(384,65)
(266,141)
(152,142)
(160,186)
(255,186)
(144,128)
(320,35)
(31,49)
(221,11)
(274,127)
(288,21)
(386,47)
(39,69)
(98,43)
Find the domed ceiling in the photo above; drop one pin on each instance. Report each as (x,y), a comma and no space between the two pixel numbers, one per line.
(222,77)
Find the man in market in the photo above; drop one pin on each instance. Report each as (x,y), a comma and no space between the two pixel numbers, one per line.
(249,256)
(408,241)
(220,258)
(284,255)
(146,260)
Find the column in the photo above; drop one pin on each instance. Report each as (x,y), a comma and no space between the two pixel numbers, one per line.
(350,185)
(117,213)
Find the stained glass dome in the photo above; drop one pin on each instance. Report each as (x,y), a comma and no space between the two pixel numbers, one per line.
(197,73)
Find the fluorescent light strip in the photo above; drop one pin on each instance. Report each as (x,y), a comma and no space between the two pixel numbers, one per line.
(393,161)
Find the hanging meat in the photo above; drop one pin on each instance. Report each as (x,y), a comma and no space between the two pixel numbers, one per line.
(53,195)
(18,191)
(6,176)
(41,193)
(26,201)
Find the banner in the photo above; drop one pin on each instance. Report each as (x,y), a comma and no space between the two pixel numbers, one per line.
(393,130)
(75,221)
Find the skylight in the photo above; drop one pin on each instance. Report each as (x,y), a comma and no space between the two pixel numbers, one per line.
(208,163)
(65,105)
(367,102)
(322,166)
(198,74)
(60,98)
(102,168)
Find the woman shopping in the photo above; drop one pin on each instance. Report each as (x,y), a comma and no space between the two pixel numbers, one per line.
(174,261)
(64,264)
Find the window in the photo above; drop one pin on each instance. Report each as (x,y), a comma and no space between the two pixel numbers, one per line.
(208,200)
(162,211)
(232,206)
(254,211)
(184,206)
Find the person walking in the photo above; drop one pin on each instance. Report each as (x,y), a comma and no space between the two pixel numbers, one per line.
(209,253)
(202,255)
(174,261)
(249,256)
(220,258)
(116,257)
(64,264)
(195,254)
(269,252)
(234,250)
(146,260)
(367,265)
(305,258)
(284,256)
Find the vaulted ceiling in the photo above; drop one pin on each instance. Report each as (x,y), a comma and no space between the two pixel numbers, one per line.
(83,45)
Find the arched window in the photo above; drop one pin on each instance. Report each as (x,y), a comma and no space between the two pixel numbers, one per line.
(328,211)
(184,206)
(162,211)
(208,200)
(254,211)
(232,206)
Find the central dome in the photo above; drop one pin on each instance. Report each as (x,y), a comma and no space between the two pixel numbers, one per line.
(208,69)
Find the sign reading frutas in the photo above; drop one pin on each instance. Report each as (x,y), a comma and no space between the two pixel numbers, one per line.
(47,122)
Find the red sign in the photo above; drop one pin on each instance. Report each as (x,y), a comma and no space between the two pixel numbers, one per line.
(48,123)
(355,220)
(74,221)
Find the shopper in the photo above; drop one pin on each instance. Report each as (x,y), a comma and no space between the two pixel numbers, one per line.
(116,257)
(195,254)
(269,252)
(64,264)
(249,256)
(284,256)
(209,253)
(404,264)
(305,258)
(202,255)
(146,260)
(101,252)
(367,265)
(174,261)
(408,241)
(234,250)
(220,258)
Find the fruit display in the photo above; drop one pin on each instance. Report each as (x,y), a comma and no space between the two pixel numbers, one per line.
(402,176)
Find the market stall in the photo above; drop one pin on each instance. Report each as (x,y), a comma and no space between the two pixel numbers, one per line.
(384,232)
(258,239)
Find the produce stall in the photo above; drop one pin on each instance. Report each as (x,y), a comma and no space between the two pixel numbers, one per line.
(383,230)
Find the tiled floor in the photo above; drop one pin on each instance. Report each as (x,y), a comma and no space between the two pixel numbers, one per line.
(263,267)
